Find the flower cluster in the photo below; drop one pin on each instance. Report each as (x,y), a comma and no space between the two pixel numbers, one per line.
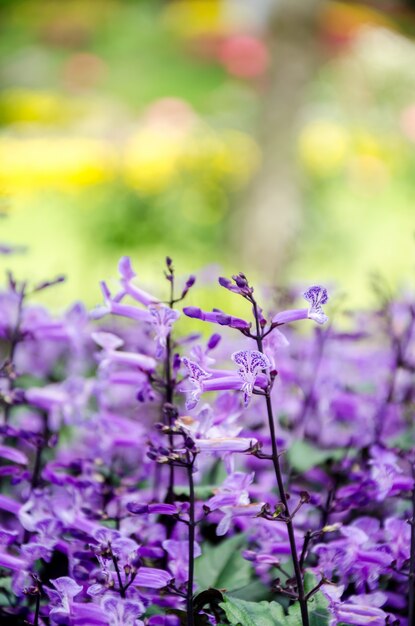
(260,474)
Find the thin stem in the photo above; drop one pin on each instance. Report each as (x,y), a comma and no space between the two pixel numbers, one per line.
(39,450)
(169,395)
(307,539)
(278,475)
(117,571)
(191,545)
(314,590)
(411,594)
(399,345)
(14,341)
(37,610)
(130,582)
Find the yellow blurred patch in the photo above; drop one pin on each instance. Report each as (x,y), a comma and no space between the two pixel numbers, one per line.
(195,18)
(54,163)
(26,105)
(152,159)
(323,147)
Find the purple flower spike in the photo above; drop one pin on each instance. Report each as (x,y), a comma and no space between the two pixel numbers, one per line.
(193,311)
(217,317)
(251,363)
(316,296)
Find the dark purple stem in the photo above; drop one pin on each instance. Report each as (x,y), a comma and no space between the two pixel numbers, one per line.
(37,610)
(278,474)
(191,538)
(169,395)
(117,571)
(411,594)
(14,341)
(39,450)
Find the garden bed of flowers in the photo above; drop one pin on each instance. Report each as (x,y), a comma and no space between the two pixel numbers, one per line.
(258,473)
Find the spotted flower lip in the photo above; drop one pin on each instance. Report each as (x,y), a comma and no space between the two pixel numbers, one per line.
(163,318)
(203,381)
(251,364)
(316,296)
(197,375)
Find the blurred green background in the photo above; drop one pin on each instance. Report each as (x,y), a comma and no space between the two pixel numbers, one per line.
(266,136)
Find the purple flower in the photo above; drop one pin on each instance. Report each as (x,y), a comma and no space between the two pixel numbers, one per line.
(251,364)
(357,555)
(110,343)
(162,508)
(9,561)
(357,610)
(225,444)
(115,307)
(65,608)
(11,454)
(179,558)
(122,612)
(126,276)
(197,376)
(163,318)
(316,296)
(152,578)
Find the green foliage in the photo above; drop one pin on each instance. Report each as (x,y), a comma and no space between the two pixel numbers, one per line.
(303,456)
(242,613)
(317,605)
(254,591)
(223,566)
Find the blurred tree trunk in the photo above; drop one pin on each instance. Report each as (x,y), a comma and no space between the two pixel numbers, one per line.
(270,217)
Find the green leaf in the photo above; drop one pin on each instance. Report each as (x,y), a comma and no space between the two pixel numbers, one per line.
(317,605)
(242,613)
(303,456)
(203,492)
(254,591)
(317,614)
(223,566)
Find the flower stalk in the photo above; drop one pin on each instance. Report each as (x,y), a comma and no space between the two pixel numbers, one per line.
(275,456)
(191,541)
(411,594)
